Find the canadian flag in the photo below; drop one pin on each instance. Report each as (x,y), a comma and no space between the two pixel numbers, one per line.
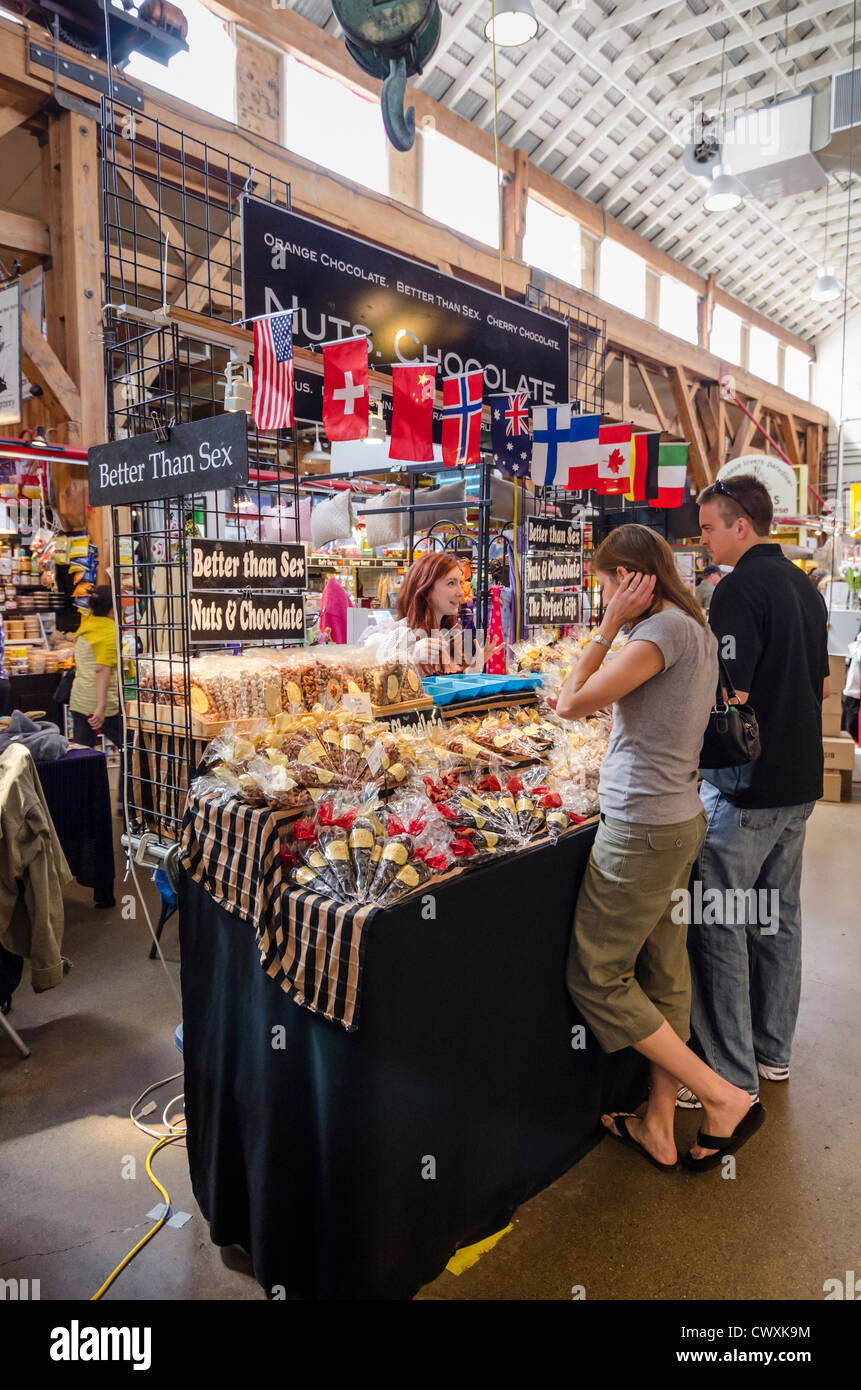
(345,389)
(614,458)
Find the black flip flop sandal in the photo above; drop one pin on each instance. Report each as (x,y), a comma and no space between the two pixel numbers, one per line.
(744,1130)
(625,1138)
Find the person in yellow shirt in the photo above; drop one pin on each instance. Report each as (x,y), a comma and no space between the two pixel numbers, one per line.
(94,700)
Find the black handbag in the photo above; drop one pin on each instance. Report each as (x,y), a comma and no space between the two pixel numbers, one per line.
(731,743)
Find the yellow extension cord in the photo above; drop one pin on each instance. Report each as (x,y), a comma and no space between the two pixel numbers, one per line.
(167,1139)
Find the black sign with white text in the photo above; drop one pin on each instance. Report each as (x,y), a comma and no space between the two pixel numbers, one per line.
(544,607)
(342,286)
(547,571)
(552,533)
(246,618)
(246,565)
(198,457)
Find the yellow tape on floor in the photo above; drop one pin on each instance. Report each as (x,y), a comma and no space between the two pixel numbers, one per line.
(469,1255)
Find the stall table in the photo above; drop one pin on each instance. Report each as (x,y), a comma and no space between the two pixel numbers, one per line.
(35,691)
(78,794)
(351,1164)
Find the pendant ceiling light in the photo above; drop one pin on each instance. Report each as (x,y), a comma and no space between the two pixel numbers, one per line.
(317,454)
(376,429)
(826,286)
(511,23)
(724,193)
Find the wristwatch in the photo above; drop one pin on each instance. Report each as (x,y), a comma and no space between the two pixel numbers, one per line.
(598,637)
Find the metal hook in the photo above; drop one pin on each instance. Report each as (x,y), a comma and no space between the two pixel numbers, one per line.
(400,124)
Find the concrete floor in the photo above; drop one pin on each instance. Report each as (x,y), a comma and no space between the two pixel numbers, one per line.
(612,1224)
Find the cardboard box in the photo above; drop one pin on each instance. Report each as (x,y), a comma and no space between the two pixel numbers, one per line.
(837,672)
(831,724)
(839,753)
(836,786)
(833,704)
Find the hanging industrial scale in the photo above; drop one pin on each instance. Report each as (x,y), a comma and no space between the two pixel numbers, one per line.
(392,40)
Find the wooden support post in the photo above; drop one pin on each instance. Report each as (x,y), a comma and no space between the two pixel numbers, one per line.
(698,456)
(653,296)
(705,314)
(588,253)
(515,192)
(82,290)
(660,413)
(258,87)
(626,387)
(746,430)
(405,174)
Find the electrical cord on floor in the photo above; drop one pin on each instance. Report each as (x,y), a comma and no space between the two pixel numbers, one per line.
(165,1139)
(173,1131)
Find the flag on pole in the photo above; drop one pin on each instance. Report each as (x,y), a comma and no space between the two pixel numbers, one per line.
(583,467)
(345,389)
(644,467)
(672,475)
(614,458)
(272,392)
(412,413)
(461,418)
(551,444)
(509,433)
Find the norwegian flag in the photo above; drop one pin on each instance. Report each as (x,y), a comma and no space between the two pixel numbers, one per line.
(272,398)
(614,459)
(509,434)
(461,418)
(345,389)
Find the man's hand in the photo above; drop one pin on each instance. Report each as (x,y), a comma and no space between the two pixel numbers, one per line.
(97,718)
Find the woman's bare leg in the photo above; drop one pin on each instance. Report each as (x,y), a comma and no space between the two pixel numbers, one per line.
(655,1129)
(724,1104)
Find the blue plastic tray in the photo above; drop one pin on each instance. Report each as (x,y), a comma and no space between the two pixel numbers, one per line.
(446,690)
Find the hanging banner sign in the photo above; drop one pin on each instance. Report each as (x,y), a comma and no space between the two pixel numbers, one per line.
(342,286)
(10,354)
(199,457)
(218,618)
(553,610)
(552,533)
(246,565)
(552,571)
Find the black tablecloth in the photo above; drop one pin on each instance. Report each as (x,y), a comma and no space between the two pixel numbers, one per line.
(32,692)
(308,1147)
(79,798)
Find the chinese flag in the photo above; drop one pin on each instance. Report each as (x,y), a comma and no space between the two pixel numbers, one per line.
(614,459)
(412,413)
(345,389)
(644,467)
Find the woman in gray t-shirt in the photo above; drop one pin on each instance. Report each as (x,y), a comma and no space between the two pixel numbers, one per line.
(628,969)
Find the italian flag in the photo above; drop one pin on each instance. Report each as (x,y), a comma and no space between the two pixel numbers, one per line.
(614,458)
(672,475)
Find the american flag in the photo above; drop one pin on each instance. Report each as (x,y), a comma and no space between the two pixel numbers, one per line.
(272,401)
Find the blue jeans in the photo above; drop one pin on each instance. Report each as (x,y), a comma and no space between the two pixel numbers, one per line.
(746,974)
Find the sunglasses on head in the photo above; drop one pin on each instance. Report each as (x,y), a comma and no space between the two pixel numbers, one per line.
(723,491)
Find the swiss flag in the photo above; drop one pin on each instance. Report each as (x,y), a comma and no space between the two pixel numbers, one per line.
(614,458)
(345,389)
(412,413)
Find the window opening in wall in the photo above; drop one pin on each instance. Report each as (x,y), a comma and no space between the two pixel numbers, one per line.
(329,123)
(796,373)
(677,312)
(725,341)
(459,188)
(622,277)
(552,242)
(762,357)
(205,76)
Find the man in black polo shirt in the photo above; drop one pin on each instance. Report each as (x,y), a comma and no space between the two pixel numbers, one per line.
(746,951)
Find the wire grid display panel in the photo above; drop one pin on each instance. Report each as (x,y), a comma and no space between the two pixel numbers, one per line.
(172,239)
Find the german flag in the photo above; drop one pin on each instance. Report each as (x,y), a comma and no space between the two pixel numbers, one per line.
(644,467)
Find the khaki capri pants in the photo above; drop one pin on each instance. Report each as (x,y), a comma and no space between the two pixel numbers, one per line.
(628,967)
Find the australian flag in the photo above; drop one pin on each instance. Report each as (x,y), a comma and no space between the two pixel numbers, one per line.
(509,434)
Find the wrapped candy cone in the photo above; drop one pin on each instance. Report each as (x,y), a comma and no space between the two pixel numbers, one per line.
(496,665)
